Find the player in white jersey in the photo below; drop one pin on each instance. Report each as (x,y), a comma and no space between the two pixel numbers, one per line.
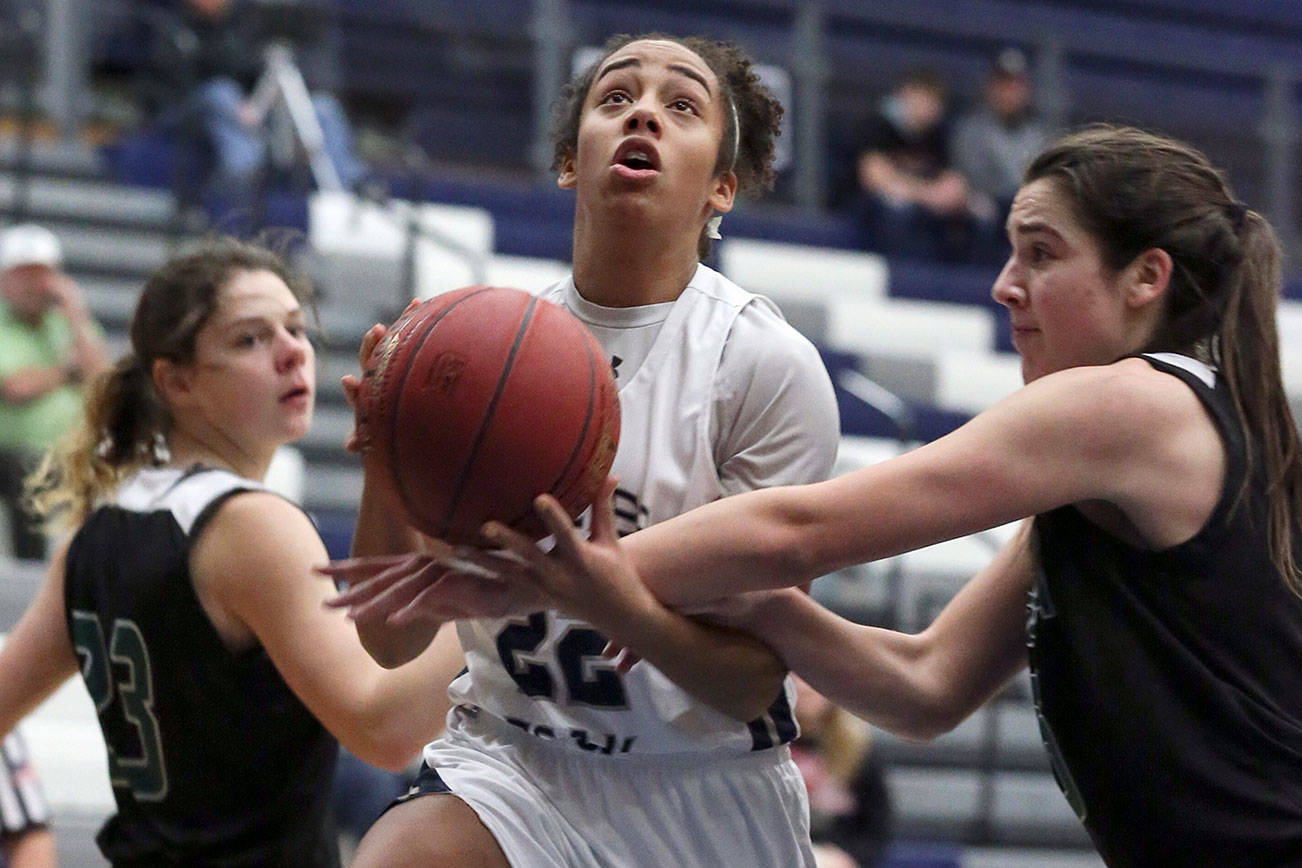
(562,760)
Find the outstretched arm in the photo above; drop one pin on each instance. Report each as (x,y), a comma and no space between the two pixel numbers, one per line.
(1122,434)
(917,686)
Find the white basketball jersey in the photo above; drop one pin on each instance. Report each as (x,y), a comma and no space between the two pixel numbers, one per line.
(681,402)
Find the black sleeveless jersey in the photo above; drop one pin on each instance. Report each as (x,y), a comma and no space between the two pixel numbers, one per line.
(1169,683)
(213,760)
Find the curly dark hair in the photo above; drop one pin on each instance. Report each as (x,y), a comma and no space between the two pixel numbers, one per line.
(759,114)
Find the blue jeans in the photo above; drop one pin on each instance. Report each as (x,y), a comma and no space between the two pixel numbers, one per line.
(240,152)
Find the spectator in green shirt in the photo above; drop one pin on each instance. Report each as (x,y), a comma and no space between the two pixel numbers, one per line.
(49,344)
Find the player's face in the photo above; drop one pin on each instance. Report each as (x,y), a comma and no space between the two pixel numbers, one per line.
(649,137)
(254,377)
(1065,304)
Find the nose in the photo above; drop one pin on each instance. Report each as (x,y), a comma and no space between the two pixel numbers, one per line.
(1008,289)
(291,350)
(642,116)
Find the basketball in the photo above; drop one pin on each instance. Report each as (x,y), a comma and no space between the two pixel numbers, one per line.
(480,399)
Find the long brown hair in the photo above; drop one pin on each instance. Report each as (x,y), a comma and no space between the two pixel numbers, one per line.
(1135,191)
(125,424)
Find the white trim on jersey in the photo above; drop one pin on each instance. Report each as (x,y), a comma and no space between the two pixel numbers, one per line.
(1201,370)
(186,493)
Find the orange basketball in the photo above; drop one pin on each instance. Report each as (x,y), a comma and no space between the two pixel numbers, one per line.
(477,401)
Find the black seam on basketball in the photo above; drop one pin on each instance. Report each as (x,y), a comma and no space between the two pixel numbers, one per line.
(578,445)
(583,433)
(392,422)
(488,415)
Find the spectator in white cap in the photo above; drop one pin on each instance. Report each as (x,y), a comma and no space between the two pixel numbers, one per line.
(49,344)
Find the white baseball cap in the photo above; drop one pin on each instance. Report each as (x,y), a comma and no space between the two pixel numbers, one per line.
(29,244)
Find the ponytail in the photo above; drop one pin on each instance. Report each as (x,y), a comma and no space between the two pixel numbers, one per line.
(1135,191)
(126,424)
(1248,345)
(123,428)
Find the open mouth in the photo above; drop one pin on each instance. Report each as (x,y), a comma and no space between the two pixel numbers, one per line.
(637,156)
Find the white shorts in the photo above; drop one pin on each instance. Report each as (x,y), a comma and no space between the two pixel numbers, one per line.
(550,807)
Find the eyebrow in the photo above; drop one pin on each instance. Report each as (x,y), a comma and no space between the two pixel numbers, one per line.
(1032,228)
(675,67)
(294,315)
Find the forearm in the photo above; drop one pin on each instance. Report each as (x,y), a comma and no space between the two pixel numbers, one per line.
(747,542)
(879,675)
(411,705)
(380,530)
(728,670)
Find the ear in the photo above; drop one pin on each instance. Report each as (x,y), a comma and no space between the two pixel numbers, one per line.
(1147,277)
(567,178)
(171,381)
(724,192)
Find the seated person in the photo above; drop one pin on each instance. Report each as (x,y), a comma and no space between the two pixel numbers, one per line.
(204,60)
(911,199)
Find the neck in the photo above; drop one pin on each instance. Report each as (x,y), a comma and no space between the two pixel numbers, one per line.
(615,267)
(187,448)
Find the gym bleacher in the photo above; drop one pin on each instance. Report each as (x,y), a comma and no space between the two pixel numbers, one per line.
(915,348)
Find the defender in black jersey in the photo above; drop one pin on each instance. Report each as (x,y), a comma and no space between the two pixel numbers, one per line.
(186,599)
(1154,448)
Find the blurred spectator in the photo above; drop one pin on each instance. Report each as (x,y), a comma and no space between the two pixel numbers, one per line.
(850,815)
(49,344)
(25,837)
(911,199)
(205,58)
(993,145)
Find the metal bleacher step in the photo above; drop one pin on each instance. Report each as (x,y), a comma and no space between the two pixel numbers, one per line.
(87,201)
(67,158)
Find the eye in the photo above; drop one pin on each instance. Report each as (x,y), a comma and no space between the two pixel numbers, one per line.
(245,340)
(615,97)
(682,104)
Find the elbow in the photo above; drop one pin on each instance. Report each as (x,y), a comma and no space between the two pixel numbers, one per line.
(934,711)
(790,535)
(927,723)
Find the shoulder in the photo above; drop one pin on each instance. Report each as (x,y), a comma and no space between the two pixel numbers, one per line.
(761,337)
(255,529)
(1122,408)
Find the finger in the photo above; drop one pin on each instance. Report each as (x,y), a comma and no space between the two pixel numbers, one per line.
(511,543)
(372,337)
(560,525)
(395,597)
(364,590)
(411,305)
(627,660)
(359,569)
(603,513)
